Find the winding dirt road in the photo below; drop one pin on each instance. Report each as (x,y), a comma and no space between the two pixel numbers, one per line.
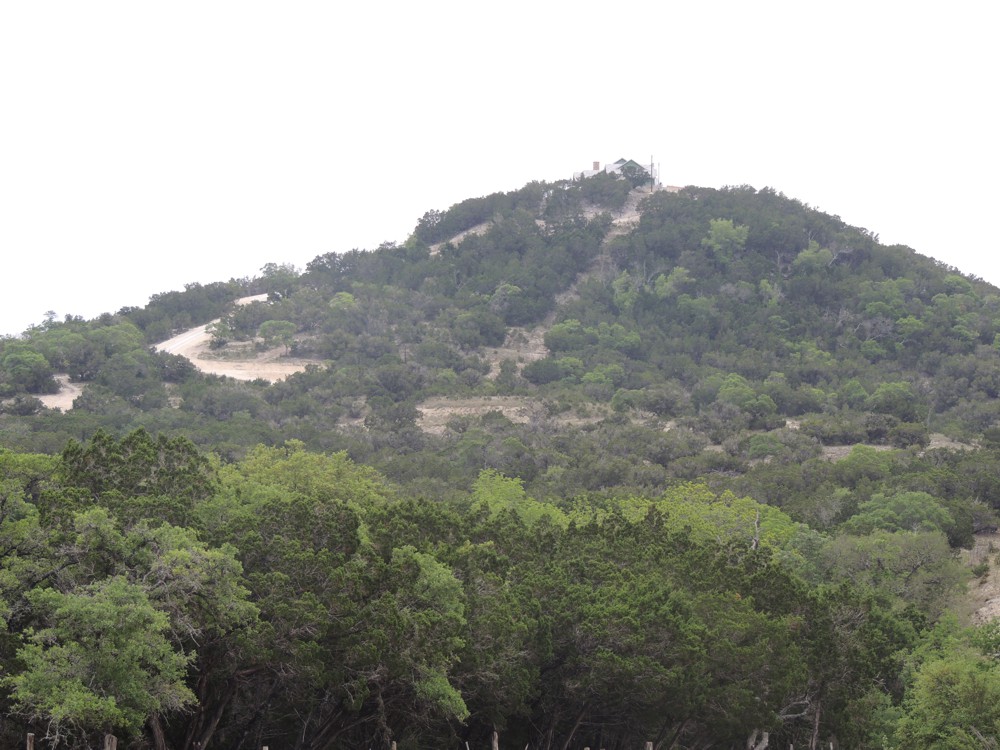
(194,345)
(244,364)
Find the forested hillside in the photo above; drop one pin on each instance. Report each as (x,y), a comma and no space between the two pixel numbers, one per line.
(581,464)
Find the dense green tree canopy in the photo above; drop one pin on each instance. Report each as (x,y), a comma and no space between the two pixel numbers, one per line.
(707,462)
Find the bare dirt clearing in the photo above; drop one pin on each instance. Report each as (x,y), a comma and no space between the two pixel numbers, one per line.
(937,440)
(522,345)
(435,413)
(63,400)
(943,441)
(983,598)
(837,452)
(239,363)
(478,229)
(243,363)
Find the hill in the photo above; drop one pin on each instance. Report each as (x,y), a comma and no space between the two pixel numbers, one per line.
(578,463)
(699,317)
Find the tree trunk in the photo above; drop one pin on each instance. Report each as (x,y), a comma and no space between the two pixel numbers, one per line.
(674,737)
(198,734)
(550,734)
(814,740)
(576,725)
(159,740)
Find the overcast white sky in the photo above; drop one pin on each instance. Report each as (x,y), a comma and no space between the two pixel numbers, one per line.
(148,145)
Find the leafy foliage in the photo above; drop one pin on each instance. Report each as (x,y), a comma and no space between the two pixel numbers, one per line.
(707,506)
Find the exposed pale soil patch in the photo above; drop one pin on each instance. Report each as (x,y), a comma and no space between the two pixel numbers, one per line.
(435,413)
(983,598)
(837,452)
(624,220)
(63,400)
(937,440)
(240,363)
(627,217)
(251,298)
(478,229)
(522,345)
(943,441)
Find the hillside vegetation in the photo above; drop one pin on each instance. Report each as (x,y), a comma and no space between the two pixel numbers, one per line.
(581,464)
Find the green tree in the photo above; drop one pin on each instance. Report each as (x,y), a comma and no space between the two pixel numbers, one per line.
(898,399)
(725,240)
(275,332)
(25,369)
(279,279)
(100,662)
(901,511)
(495,494)
(904,567)
(139,476)
(954,704)
(222,333)
(812,260)
(626,289)
(679,280)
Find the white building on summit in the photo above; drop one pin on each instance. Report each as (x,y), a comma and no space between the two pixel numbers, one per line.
(628,165)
